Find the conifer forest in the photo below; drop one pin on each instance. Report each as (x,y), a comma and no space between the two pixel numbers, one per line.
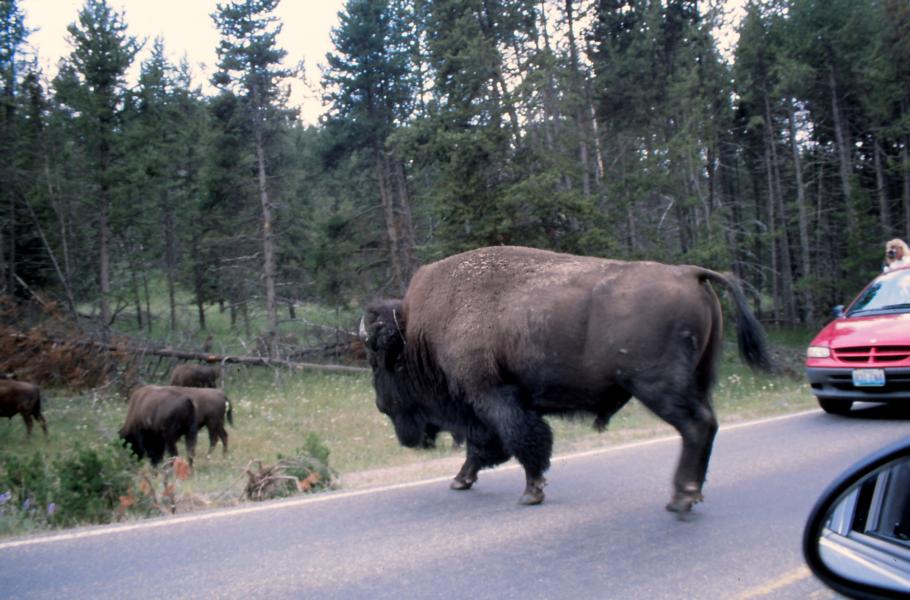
(615,128)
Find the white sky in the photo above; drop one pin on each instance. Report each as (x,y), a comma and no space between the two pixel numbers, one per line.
(187,28)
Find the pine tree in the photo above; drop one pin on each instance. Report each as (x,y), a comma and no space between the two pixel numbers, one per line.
(92,83)
(249,62)
(13,34)
(371,85)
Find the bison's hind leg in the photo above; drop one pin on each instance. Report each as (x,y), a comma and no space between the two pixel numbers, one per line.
(28,424)
(688,409)
(222,433)
(213,436)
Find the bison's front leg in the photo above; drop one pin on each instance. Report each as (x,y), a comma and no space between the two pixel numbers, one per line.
(488,452)
(524,434)
(466,476)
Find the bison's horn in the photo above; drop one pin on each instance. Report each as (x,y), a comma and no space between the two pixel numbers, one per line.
(362,332)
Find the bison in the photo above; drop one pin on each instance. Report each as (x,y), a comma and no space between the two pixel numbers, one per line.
(22,398)
(211,407)
(202,376)
(155,419)
(486,343)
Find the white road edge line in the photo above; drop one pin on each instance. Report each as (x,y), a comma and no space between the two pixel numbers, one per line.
(341,495)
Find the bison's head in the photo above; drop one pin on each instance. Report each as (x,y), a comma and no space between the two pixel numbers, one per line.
(132,442)
(383,332)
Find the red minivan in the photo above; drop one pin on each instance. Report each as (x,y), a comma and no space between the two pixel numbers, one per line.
(864,354)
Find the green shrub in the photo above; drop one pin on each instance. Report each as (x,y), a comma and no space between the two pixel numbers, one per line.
(26,492)
(85,486)
(91,483)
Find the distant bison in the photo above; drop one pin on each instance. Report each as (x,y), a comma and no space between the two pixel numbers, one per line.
(22,398)
(211,406)
(155,419)
(487,342)
(200,376)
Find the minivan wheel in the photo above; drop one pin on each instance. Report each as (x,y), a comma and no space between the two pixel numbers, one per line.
(835,406)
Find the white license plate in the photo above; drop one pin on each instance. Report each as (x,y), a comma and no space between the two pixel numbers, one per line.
(868,377)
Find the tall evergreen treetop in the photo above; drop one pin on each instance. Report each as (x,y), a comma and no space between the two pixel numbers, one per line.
(12,35)
(102,51)
(249,59)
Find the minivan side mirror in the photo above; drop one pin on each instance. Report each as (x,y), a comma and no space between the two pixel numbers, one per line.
(857,538)
(838,311)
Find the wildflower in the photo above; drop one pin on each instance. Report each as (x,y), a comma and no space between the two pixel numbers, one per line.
(4,497)
(26,504)
(51,509)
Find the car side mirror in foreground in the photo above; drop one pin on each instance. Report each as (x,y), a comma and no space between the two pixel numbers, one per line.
(857,538)
(838,311)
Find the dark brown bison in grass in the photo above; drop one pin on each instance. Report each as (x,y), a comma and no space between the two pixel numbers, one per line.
(487,342)
(21,398)
(155,419)
(202,376)
(211,407)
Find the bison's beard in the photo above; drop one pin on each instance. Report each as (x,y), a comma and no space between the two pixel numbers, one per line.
(414,431)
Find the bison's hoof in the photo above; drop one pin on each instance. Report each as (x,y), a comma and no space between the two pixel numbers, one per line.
(683,502)
(533,493)
(461,484)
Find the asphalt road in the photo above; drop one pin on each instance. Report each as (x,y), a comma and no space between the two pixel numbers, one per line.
(602,532)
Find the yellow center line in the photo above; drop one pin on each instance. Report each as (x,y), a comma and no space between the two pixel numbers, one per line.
(774,585)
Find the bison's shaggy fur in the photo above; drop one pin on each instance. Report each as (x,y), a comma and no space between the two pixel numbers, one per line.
(201,376)
(155,419)
(487,342)
(22,398)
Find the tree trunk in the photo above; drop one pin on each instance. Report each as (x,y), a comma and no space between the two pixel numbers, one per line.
(148,301)
(400,241)
(552,117)
(199,280)
(104,257)
(772,228)
(727,175)
(805,262)
(61,222)
(781,239)
(403,219)
(170,257)
(580,102)
(268,249)
(845,163)
(200,309)
(499,88)
(11,284)
(70,302)
(884,207)
(245,315)
(4,280)
(905,154)
(137,297)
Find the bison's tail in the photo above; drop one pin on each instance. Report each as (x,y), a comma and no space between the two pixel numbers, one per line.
(36,412)
(753,347)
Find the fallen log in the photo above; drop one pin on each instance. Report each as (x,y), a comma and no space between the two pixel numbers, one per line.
(204,356)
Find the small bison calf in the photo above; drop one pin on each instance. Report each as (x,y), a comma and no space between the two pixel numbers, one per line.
(200,376)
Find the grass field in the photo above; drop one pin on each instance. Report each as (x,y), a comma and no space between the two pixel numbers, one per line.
(276,410)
